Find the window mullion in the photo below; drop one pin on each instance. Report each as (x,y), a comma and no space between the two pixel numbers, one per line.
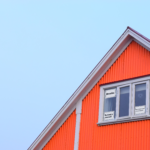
(147,97)
(132,99)
(117,103)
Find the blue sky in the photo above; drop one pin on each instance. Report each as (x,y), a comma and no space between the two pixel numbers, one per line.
(46,50)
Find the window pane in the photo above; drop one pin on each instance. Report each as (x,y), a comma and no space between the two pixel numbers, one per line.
(140,98)
(110,104)
(124,102)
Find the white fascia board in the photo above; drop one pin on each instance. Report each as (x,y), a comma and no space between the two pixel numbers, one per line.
(49,131)
(139,39)
(111,56)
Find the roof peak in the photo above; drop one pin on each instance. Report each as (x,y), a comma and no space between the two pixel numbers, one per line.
(128,27)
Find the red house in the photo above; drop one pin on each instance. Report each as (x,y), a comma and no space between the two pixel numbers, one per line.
(110,110)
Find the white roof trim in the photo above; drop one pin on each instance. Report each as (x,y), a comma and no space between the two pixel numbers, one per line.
(88,84)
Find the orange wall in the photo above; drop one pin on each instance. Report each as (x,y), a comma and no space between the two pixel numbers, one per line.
(133,62)
(64,137)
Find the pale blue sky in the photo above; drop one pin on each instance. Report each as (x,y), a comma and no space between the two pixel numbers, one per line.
(46,50)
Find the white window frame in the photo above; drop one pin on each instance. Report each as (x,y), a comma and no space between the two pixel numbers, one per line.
(132,117)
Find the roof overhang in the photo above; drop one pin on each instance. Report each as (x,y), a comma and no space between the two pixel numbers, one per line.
(125,39)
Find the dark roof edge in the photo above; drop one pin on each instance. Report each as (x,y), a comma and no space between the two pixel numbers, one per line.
(139,34)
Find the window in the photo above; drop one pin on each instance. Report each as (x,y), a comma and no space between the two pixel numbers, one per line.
(124,101)
(110,104)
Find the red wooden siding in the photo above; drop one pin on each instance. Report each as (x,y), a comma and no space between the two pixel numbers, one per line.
(133,62)
(64,137)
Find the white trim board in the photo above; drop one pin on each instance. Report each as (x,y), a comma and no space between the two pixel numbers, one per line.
(95,75)
(78,118)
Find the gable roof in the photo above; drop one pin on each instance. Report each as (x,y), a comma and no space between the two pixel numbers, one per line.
(115,51)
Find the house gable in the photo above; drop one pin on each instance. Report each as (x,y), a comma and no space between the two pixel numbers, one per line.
(108,62)
(132,63)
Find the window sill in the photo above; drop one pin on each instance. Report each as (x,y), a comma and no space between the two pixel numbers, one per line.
(123,120)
